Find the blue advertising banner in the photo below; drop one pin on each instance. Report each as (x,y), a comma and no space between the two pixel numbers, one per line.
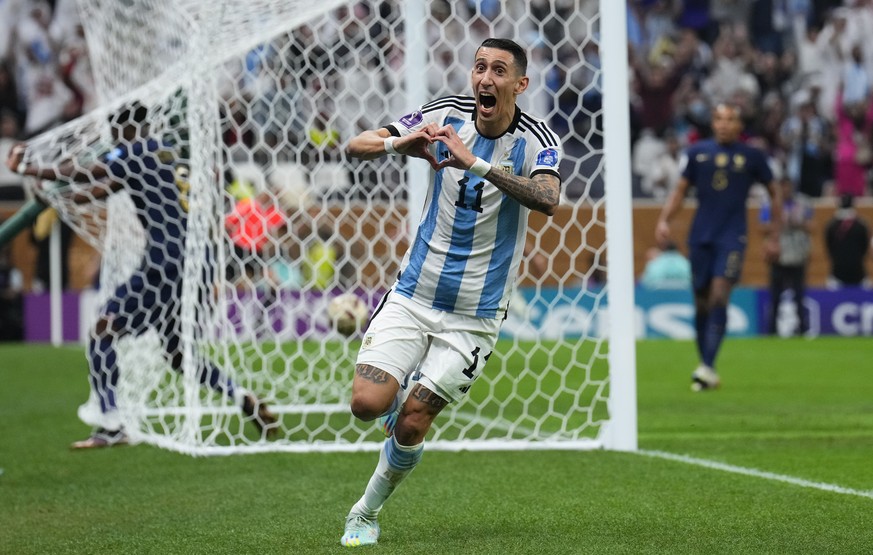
(573,312)
(847,311)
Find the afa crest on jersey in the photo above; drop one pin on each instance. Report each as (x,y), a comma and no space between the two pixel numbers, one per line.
(506,163)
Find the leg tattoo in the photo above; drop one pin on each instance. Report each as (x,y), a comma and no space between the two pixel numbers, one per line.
(372,374)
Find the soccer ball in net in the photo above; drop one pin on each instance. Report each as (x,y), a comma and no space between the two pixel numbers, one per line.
(347,313)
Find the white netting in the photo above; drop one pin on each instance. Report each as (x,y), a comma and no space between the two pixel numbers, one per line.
(250,104)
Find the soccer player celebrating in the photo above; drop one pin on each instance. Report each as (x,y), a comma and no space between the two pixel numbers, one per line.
(722,170)
(151,297)
(492,164)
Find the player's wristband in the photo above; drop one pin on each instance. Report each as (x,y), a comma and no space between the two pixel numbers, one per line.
(389,146)
(22,167)
(480,167)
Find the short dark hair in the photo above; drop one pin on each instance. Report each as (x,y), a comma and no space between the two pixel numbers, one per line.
(519,56)
(130,114)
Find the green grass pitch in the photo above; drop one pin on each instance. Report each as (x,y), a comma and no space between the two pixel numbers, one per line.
(793,421)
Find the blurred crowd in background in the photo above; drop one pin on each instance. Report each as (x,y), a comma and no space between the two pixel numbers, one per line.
(801,70)
(45,73)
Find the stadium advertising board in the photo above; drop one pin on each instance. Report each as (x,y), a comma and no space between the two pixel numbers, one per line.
(847,311)
(662,313)
(570,312)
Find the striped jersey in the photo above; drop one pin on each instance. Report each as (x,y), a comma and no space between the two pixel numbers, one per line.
(470,241)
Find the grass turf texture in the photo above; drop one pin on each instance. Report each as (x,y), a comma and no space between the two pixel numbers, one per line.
(792,407)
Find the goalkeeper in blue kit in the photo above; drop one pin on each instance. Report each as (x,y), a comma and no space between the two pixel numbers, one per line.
(150,299)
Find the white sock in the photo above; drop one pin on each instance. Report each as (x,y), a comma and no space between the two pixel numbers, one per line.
(395,463)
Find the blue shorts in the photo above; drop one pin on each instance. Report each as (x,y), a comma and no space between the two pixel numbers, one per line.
(710,261)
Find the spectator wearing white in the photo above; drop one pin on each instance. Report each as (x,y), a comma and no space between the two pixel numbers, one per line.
(10,12)
(730,68)
(32,44)
(858,15)
(65,22)
(656,162)
(811,46)
(839,40)
(856,80)
(45,96)
(48,99)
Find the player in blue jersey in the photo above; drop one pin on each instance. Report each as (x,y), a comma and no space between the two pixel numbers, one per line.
(437,326)
(151,298)
(722,170)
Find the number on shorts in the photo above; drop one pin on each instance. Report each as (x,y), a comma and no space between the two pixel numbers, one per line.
(470,370)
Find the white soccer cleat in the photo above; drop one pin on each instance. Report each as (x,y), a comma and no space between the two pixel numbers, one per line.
(704,378)
(360,531)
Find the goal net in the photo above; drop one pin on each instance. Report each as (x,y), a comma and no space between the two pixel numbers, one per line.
(248,107)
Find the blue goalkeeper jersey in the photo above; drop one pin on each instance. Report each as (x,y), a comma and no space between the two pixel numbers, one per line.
(466,254)
(146,167)
(723,175)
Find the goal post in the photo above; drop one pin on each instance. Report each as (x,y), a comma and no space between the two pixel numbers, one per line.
(622,429)
(251,104)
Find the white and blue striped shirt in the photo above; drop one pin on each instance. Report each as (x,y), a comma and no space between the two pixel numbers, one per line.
(469,245)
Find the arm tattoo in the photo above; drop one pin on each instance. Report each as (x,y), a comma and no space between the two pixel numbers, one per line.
(540,193)
(371,373)
(434,402)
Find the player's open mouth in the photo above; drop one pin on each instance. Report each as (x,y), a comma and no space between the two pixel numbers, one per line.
(487,102)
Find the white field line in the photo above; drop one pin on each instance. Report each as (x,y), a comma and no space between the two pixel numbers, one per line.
(759,434)
(715,465)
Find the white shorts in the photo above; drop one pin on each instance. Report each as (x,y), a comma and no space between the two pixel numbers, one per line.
(449,350)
